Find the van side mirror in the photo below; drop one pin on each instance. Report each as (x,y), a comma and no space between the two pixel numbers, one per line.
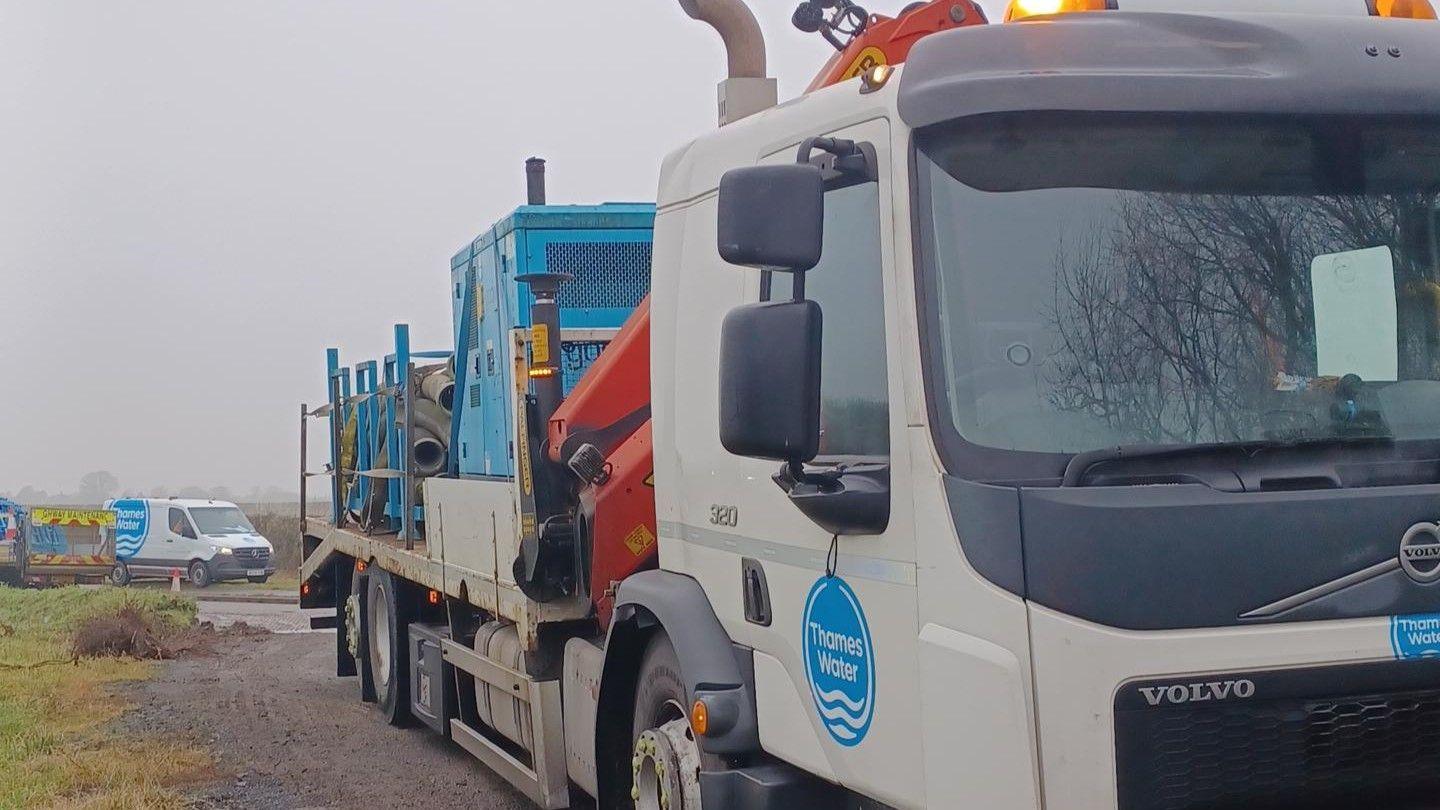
(770,381)
(772,216)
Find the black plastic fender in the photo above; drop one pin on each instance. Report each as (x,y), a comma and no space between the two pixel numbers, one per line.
(712,666)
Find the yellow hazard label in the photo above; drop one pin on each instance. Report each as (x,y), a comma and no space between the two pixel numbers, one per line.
(649,480)
(539,343)
(522,432)
(49,516)
(639,540)
(868,58)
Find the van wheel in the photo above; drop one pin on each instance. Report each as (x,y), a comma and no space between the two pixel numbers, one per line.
(120,574)
(666,759)
(386,637)
(200,574)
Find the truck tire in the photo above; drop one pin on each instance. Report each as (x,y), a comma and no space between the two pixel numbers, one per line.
(120,574)
(200,574)
(666,761)
(387,641)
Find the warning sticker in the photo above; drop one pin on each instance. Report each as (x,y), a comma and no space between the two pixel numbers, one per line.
(639,540)
(539,344)
(868,58)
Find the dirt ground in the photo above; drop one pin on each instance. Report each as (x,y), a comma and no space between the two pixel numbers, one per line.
(286,733)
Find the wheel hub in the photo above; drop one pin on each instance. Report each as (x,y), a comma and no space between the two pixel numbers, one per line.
(352,625)
(666,768)
(380,640)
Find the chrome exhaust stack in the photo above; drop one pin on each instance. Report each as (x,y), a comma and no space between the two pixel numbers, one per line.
(746,89)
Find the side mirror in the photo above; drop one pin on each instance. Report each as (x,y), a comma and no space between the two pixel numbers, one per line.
(772,216)
(770,381)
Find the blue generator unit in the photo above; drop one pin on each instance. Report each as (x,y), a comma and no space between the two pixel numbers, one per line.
(606,248)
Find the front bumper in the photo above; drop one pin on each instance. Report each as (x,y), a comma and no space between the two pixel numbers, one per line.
(1159,720)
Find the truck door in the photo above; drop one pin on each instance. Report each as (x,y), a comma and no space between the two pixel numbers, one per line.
(832,620)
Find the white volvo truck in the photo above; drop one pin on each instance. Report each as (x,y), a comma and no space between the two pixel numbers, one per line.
(1051,421)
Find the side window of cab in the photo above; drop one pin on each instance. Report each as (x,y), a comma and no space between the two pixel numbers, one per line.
(848,285)
(179,524)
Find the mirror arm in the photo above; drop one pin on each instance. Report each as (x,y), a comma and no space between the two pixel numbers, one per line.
(843,163)
(847,500)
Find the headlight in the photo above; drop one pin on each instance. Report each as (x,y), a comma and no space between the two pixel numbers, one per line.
(225,550)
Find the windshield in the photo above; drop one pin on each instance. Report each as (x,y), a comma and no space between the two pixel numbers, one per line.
(1105,280)
(221,520)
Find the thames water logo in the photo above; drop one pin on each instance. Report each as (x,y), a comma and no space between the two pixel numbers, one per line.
(1415,636)
(132,520)
(839,660)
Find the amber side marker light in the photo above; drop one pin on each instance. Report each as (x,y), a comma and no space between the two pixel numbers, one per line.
(1020,9)
(875,78)
(434,597)
(1403,9)
(699,718)
(542,371)
(305,589)
(360,566)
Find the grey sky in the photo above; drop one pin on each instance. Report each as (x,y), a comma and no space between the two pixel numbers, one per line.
(197,197)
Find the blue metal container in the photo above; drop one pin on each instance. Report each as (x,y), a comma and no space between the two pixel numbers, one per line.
(607,250)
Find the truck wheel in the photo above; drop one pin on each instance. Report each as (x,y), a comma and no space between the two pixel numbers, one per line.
(389,661)
(667,760)
(200,574)
(120,574)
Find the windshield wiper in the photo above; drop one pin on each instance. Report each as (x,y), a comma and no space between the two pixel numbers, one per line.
(1082,463)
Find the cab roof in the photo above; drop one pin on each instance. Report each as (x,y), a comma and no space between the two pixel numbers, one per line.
(184,503)
(1117,61)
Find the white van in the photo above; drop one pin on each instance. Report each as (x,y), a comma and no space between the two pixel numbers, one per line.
(207,541)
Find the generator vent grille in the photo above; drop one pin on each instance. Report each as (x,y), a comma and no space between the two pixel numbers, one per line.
(472,338)
(607,274)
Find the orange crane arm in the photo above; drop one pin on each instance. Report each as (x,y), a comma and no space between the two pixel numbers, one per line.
(887,40)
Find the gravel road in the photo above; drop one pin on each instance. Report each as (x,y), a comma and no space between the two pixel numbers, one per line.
(286,733)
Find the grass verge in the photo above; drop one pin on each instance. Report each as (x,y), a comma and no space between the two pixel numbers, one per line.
(55,750)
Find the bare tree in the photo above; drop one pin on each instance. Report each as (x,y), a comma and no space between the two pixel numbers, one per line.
(1174,324)
(97,487)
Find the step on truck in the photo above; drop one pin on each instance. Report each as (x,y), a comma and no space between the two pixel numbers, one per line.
(1039,412)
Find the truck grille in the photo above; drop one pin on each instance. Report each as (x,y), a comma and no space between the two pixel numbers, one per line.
(1377,745)
(253,556)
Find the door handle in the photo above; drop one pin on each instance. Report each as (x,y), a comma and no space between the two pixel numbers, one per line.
(756,592)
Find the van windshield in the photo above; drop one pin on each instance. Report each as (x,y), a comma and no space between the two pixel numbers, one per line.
(1104,280)
(214,520)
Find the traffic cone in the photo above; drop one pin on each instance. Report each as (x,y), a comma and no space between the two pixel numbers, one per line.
(175,580)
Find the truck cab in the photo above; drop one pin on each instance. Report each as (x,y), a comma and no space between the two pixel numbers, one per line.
(1077,400)
(206,541)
